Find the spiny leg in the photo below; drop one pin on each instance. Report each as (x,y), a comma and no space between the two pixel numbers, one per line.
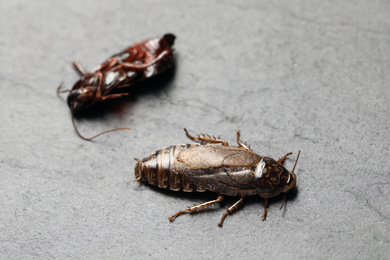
(130,66)
(197,207)
(265,209)
(125,77)
(143,66)
(106,65)
(79,68)
(109,64)
(206,139)
(230,210)
(98,91)
(114,96)
(241,144)
(281,160)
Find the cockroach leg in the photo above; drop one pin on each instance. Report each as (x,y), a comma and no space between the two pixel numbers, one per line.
(79,68)
(99,88)
(281,160)
(241,144)
(109,64)
(102,98)
(265,209)
(230,210)
(140,67)
(113,96)
(130,66)
(197,207)
(206,139)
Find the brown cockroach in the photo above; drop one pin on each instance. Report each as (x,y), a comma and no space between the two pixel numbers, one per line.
(136,63)
(223,169)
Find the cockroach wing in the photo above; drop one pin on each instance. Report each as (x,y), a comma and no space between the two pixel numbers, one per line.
(205,157)
(229,181)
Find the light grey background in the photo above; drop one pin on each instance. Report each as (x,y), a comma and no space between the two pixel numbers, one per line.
(291,75)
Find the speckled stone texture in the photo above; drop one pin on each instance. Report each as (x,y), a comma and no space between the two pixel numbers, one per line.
(291,75)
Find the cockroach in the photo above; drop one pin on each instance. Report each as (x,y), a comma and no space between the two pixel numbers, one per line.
(213,165)
(136,63)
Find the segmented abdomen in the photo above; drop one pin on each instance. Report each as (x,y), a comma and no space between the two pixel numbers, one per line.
(163,170)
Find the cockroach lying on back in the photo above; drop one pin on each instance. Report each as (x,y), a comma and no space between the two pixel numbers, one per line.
(223,169)
(138,62)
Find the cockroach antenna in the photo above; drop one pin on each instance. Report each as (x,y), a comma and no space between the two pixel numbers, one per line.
(93,137)
(296,161)
(285,195)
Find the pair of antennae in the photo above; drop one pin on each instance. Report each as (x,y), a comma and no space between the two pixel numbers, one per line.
(285,195)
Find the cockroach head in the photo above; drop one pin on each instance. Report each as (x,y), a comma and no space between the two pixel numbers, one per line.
(272,178)
(74,101)
(81,98)
(169,39)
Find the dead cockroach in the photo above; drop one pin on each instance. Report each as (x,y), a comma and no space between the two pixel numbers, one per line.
(223,169)
(136,63)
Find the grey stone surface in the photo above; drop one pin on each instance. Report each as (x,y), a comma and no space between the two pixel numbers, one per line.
(292,75)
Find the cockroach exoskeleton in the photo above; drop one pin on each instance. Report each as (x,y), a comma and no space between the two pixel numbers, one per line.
(136,63)
(223,169)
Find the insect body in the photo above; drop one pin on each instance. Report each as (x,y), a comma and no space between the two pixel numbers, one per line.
(223,169)
(138,62)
